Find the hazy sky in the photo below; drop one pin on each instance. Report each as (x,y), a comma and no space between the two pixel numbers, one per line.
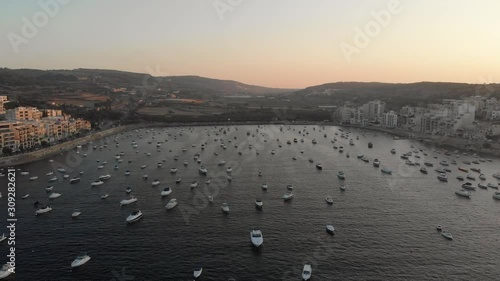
(277,43)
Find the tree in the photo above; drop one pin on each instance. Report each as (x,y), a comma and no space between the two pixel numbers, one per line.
(7,150)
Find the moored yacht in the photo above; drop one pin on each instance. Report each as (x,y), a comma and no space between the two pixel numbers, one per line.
(194,184)
(173,170)
(258,203)
(306,272)
(43,210)
(386,171)
(105,177)
(376,162)
(443,177)
(54,195)
(76,213)
(329,200)
(197,271)
(468,186)
(492,185)
(496,195)
(256,238)
(203,170)
(171,204)
(288,196)
(166,191)
(225,208)
(341,175)
(80,260)
(481,185)
(330,229)
(97,183)
(423,170)
(319,166)
(463,193)
(155,182)
(447,235)
(134,216)
(128,201)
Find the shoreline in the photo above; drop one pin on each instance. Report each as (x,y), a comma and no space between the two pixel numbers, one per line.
(62,147)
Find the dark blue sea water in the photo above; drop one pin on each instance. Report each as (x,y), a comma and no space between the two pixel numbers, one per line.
(385,224)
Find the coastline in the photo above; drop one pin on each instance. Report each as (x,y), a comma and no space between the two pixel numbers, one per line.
(41,154)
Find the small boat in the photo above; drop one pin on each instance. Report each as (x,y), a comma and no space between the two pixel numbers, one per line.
(463,169)
(43,210)
(143,167)
(74,180)
(178,181)
(127,172)
(61,170)
(128,201)
(155,182)
(439,227)
(386,171)
(329,200)
(166,191)
(260,174)
(264,186)
(76,213)
(423,170)
(97,183)
(288,196)
(229,169)
(319,166)
(342,188)
(80,260)
(481,185)
(65,176)
(428,164)
(32,178)
(330,229)
(134,216)
(26,196)
(203,170)
(311,160)
(81,172)
(477,170)
(194,184)
(256,238)
(128,190)
(210,199)
(443,177)
(53,179)
(186,163)
(49,188)
(471,177)
(341,175)
(49,174)
(104,177)
(460,178)
(289,187)
(492,185)
(54,195)
(3,237)
(482,177)
(229,178)
(376,162)
(225,208)
(463,193)
(306,272)
(496,176)
(173,170)
(145,176)
(171,204)
(197,271)
(258,203)
(100,167)
(104,196)
(468,186)
(393,151)
(496,195)
(447,235)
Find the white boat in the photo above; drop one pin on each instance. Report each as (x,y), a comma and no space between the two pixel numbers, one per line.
(483,186)
(468,186)
(342,188)
(482,177)
(178,180)
(442,177)
(264,186)
(173,170)
(197,271)
(166,191)
(186,163)
(376,163)
(128,190)
(306,272)
(54,195)
(3,237)
(496,176)
(100,167)
(463,193)
(172,203)
(225,208)
(49,174)
(61,170)
(207,182)
(32,178)
(26,196)
(329,200)
(74,180)
(330,229)
(127,173)
(104,196)
(194,184)
(134,216)
(203,170)
(341,175)
(49,188)
(105,177)
(492,185)
(128,201)
(210,199)
(221,163)
(288,196)
(496,195)
(6,270)
(229,169)
(43,210)
(155,182)
(289,187)
(97,183)
(65,176)
(386,171)
(76,213)
(447,235)
(143,167)
(439,227)
(256,238)
(258,203)
(53,179)
(145,176)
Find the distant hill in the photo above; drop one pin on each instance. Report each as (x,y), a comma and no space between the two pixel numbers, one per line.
(394,94)
(115,78)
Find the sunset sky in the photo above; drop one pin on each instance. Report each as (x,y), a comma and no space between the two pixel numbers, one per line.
(278,43)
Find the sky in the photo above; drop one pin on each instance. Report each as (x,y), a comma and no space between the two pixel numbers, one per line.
(278,43)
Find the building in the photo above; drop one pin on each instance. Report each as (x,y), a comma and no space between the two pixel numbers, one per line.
(23,113)
(390,119)
(3,100)
(373,110)
(53,112)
